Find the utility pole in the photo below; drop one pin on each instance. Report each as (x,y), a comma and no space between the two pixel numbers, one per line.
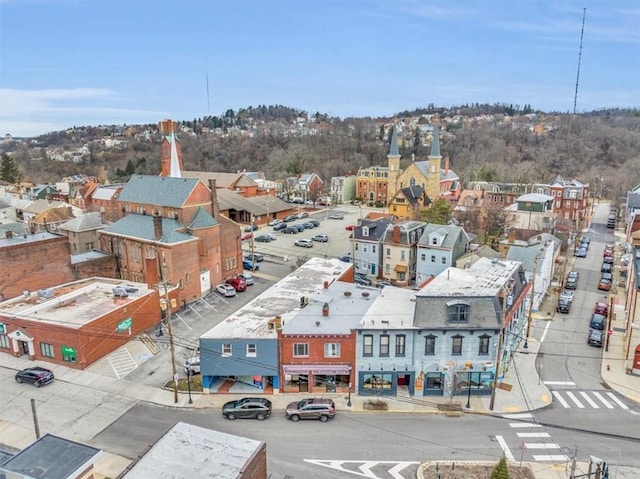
(170,329)
(574,461)
(533,288)
(253,258)
(34,413)
(609,318)
(503,317)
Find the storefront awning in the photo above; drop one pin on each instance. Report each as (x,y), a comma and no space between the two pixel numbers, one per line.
(317,369)
(401,268)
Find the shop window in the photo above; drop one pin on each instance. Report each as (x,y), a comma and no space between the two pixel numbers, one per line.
(434,381)
(46,350)
(377,381)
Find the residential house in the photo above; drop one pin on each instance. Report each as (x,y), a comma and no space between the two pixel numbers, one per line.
(42,192)
(82,232)
(631,312)
(9,230)
(171,230)
(632,204)
(367,248)
(571,199)
(532,211)
(8,213)
(33,209)
(400,251)
(439,247)
(102,199)
(305,187)
(342,190)
(317,343)
(372,185)
(407,202)
(243,349)
(50,219)
(474,254)
(539,257)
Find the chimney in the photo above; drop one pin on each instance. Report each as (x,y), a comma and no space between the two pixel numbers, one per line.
(9,235)
(325,309)
(215,206)
(326,285)
(413,157)
(446,165)
(396,234)
(512,236)
(157,228)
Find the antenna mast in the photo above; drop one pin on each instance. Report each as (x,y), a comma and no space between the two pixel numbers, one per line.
(208,110)
(575,98)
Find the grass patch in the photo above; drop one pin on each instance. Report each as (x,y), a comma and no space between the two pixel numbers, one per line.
(183,386)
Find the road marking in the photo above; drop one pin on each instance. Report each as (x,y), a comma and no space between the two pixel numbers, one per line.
(363,466)
(554,458)
(575,400)
(395,470)
(607,404)
(560,399)
(523,424)
(591,402)
(618,402)
(539,445)
(366,469)
(533,434)
(544,334)
(522,415)
(559,383)
(507,452)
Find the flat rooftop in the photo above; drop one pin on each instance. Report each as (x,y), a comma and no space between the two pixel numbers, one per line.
(193,451)
(282,299)
(73,304)
(28,238)
(393,308)
(483,278)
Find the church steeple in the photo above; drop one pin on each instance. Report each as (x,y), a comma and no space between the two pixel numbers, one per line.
(393,163)
(435,143)
(393,148)
(174,171)
(171,156)
(435,164)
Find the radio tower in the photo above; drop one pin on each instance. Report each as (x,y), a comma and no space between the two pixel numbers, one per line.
(575,97)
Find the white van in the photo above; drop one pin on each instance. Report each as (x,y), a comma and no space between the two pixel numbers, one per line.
(192,365)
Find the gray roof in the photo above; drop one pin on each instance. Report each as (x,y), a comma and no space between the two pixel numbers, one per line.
(258,205)
(376,229)
(158,190)
(435,143)
(141,227)
(85,222)
(393,147)
(451,234)
(193,451)
(535,198)
(52,457)
(4,204)
(633,199)
(17,229)
(406,229)
(202,219)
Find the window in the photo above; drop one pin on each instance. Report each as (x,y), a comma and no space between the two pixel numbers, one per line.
(365,231)
(367,345)
(456,345)
(434,381)
(483,349)
(444,260)
(4,342)
(301,350)
(434,240)
(388,251)
(373,248)
(226,350)
(46,350)
(252,350)
(402,255)
(400,344)
(387,268)
(430,345)
(331,350)
(423,257)
(458,312)
(433,259)
(384,345)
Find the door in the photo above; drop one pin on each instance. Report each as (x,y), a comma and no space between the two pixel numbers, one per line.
(303,383)
(403,379)
(25,347)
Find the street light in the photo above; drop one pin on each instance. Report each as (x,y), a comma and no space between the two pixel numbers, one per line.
(189,385)
(349,398)
(469,391)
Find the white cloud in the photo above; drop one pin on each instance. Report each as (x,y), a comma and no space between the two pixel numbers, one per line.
(33,112)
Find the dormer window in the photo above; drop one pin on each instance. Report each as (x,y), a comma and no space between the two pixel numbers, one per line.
(457,312)
(365,231)
(434,241)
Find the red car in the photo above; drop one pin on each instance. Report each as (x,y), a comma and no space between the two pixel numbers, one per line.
(601,308)
(351,227)
(238,284)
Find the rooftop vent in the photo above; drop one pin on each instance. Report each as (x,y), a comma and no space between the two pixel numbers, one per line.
(45,293)
(120,292)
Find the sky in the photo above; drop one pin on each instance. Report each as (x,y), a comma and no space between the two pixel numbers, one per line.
(67,63)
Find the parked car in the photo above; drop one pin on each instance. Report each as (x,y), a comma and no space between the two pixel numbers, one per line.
(383,283)
(598,321)
(336,217)
(607,259)
(226,290)
(311,408)
(572,283)
(606,268)
(238,284)
(275,222)
(248,279)
(362,280)
(566,295)
(604,284)
(304,243)
(345,258)
(350,227)
(246,236)
(271,236)
(596,338)
(289,230)
(601,308)
(322,238)
(573,274)
(585,239)
(247,408)
(192,366)
(564,306)
(581,252)
(279,226)
(257,257)
(37,376)
(290,218)
(250,265)
(302,214)
(262,239)
(315,223)
(308,225)
(298,227)
(251,227)
(611,224)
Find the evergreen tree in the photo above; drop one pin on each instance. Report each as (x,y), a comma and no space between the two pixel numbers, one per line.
(501,471)
(9,171)
(439,213)
(130,169)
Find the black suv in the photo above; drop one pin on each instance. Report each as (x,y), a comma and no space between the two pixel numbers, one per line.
(564,306)
(312,408)
(36,376)
(598,321)
(247,408)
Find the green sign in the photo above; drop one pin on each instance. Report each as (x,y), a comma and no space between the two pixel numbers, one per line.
(3,328)
(124,325)
(69,354)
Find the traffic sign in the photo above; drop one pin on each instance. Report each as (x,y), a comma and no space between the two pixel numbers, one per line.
(124,325)
(610,332)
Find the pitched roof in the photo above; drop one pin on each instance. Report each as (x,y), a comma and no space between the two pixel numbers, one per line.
(258,205)
(202,219)
(435,143)
(141,227)
(85,222)
(451,234)
(223,180)
(376,229)
(105,192)
(54,215)
(158,190)
(535,198)
(41,205)
(413,194)
(393,147)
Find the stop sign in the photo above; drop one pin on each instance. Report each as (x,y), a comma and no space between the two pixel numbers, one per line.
(610,332)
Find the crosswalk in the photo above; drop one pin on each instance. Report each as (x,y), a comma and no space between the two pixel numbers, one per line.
(588,399)
(538,442)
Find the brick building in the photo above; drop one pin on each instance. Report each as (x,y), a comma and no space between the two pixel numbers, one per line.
(77,323)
